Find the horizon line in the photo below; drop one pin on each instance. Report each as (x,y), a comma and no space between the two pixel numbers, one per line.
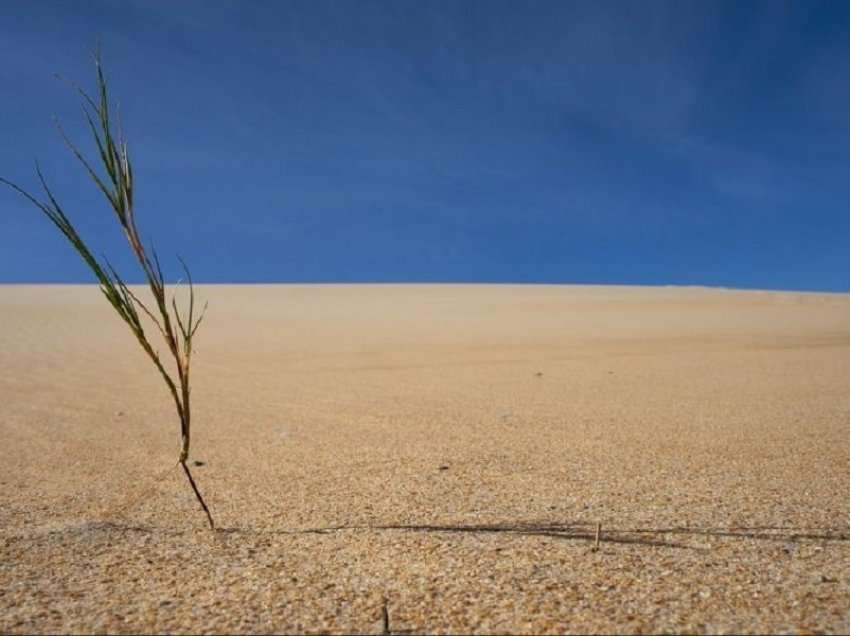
(330,283)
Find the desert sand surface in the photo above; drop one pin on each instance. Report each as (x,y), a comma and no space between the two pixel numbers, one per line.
(446,449)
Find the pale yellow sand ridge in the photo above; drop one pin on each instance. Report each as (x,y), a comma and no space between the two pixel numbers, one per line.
(448,448)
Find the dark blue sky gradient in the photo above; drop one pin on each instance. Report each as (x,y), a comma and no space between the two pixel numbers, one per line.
(631,142)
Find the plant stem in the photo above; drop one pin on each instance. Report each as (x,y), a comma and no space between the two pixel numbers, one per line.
(385,620)
(118,187)
(197,493)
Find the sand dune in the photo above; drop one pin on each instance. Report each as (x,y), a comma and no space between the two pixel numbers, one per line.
(448,448)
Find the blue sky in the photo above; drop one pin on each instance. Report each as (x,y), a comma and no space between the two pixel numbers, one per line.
(699,143)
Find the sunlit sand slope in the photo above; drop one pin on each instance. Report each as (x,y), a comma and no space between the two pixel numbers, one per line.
(447,448)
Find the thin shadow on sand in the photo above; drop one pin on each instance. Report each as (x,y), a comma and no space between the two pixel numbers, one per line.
(762,533)
(583,532)
(579,532)
(550,530)
(554,531)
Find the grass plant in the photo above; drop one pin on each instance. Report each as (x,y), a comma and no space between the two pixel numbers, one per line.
(176,328)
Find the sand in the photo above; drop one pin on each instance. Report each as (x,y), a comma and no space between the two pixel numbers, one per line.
(446,449)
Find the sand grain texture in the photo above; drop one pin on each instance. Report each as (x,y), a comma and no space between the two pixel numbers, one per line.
(448,448)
